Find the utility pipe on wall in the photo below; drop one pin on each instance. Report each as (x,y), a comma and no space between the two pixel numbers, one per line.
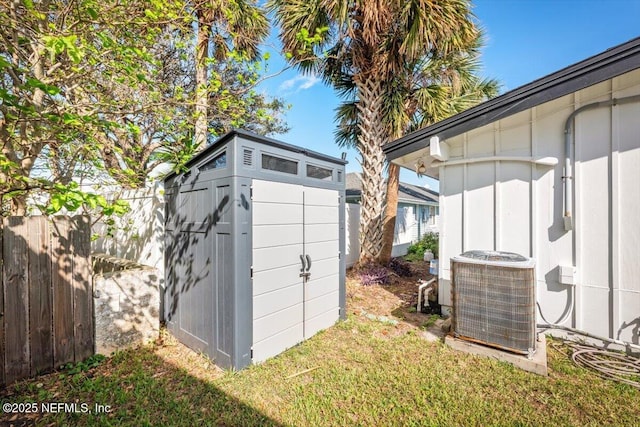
(568,154)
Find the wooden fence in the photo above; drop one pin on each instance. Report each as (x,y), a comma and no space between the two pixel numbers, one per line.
(46,303)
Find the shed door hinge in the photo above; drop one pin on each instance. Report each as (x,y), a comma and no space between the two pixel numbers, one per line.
(252,271)
(252,354)
(339,254)
(251,193)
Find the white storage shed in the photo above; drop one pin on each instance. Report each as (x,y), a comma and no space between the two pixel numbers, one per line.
(254,248)
(550,170)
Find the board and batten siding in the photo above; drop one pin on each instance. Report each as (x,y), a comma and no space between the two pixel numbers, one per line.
(518,206)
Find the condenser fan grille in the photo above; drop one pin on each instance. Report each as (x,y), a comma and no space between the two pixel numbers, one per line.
(494,303)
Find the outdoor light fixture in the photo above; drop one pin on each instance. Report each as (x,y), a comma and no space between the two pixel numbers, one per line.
(420,167)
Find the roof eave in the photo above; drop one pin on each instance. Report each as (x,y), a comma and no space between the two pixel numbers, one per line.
(606,65)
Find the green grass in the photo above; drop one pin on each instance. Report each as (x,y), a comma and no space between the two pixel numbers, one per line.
(365,374)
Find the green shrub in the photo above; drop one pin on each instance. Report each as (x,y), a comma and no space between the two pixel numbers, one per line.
(429,241)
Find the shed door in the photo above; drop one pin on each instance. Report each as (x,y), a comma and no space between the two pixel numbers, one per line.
(321,245)
(199,292)
(289,222)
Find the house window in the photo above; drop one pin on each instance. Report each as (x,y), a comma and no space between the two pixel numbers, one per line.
(319,173)
(433,211)
(279,164)
(218,162)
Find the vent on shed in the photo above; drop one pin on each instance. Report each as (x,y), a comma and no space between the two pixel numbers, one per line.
(493,295)
(247,157)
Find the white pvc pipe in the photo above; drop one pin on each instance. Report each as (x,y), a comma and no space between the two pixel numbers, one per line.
(544,161)
(420,289)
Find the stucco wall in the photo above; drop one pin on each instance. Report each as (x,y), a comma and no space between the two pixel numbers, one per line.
(518,206)
(139,234)
(126,303)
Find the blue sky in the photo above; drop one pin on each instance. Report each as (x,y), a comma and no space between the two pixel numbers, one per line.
(524,40)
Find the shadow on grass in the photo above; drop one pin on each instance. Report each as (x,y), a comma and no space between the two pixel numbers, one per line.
(139,388)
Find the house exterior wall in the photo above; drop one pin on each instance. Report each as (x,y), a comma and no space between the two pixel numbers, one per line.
(518,206)
(138,235)
(406,231)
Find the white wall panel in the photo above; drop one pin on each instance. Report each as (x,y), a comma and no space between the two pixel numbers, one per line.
(483,142)
(274,301)
(322,250)
(320,322)
(276,192)
(628,327)
(515,136)
(274,257)
(627,181)
(320,214)
(319,286)
(592,148)
(276,213)
(277,322)
(321,304)
(320,232)
(513,215)
(320,197)
(275,344)
(479,217)
(606,212)
(594,310)
(275,278)
(268,236)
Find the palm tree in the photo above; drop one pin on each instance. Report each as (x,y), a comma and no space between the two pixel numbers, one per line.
(429,90)
(223,25)
(371,45)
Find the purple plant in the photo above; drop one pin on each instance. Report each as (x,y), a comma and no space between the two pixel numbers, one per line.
(400,267)
(374,275)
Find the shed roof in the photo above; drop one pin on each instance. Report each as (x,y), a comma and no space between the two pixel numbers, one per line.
(257,138)
(407,193)
(603,66)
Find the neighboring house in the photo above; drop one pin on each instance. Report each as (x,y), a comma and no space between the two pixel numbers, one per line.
(504,186)
(417,213)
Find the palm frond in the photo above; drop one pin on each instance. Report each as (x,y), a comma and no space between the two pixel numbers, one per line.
(347,129)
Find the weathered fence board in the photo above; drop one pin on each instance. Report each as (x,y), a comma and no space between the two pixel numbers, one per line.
(40,295)
(16,303)
(2,347)
(82,291)
(45,295)
(62,292)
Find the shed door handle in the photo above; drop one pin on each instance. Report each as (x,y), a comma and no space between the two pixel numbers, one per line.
(308,262)
(303,263)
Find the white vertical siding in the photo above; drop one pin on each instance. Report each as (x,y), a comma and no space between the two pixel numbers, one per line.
(406,231)
(518,207)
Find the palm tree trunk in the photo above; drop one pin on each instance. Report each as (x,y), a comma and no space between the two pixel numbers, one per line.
(372,135)
(202,93)
(391,211)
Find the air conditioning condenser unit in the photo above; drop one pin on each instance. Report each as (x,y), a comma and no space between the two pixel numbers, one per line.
(493,297)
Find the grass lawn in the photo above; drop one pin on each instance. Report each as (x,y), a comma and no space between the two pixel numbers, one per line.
(363,371)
